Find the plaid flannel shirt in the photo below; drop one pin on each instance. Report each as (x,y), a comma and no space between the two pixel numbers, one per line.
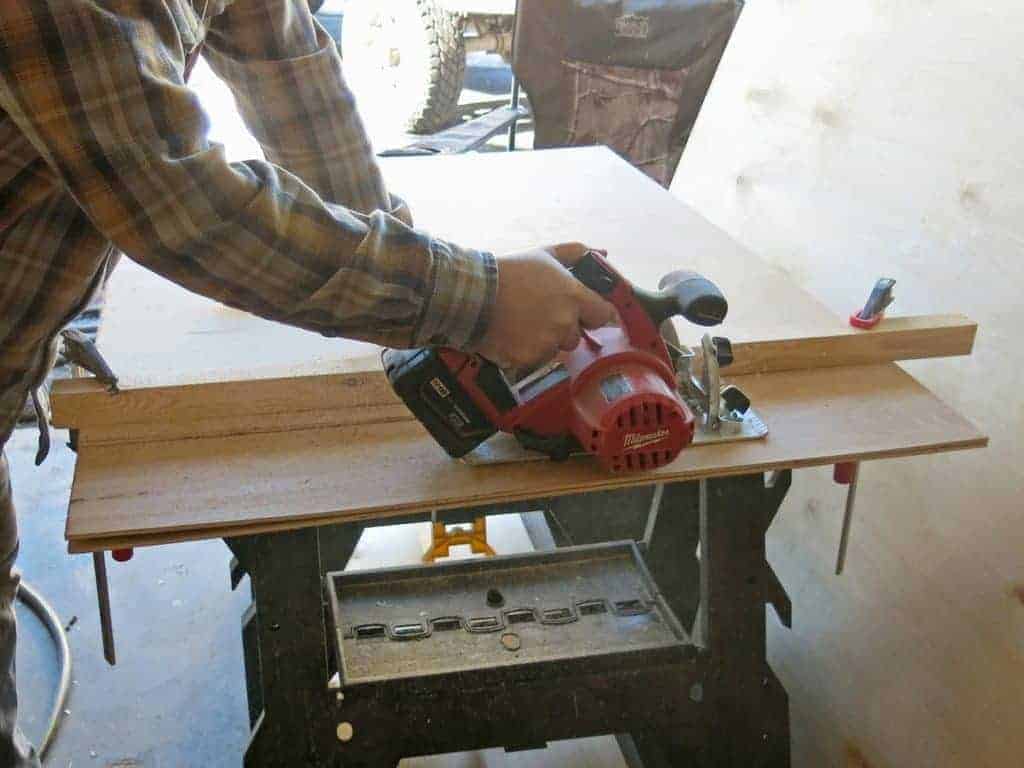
(103,146)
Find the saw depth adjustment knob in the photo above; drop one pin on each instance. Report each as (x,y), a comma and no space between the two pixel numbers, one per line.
(723,351)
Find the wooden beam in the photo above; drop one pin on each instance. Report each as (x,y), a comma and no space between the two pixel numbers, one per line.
(363,395)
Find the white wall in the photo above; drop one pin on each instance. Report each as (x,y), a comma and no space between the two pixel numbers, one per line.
(843,141)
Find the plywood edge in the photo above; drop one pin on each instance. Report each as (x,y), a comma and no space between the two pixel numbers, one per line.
(79,545)
(817,418)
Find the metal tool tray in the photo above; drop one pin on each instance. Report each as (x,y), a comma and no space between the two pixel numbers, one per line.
(518,610)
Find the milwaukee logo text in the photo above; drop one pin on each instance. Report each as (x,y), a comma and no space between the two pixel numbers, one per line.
(634,440)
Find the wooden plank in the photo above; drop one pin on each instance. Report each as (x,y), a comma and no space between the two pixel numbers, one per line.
(894,339)
(141,414)
(186,489)
(156,334)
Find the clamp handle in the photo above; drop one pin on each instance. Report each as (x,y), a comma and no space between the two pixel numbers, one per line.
(874,308)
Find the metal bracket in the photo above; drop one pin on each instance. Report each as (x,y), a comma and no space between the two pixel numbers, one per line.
(725,418)
(99,564)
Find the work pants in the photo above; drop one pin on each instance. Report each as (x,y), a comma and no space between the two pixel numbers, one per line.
(15,751)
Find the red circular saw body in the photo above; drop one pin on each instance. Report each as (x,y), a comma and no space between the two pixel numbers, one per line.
(614,396)
(625,409)
(615,393)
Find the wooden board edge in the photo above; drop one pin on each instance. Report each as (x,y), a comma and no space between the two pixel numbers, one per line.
(79,545)
(266,405)
(894,339)
(85,403)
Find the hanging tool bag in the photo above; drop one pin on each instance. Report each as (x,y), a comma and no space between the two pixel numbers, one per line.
(630,74)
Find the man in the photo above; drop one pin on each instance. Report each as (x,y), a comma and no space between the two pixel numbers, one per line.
(103,146)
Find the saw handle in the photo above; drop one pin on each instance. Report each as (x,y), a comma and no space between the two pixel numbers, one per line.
(688,294)
(683,292)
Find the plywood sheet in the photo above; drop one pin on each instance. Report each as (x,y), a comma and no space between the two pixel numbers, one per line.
(841,141)
(169,491)
(156,335)
(189,366)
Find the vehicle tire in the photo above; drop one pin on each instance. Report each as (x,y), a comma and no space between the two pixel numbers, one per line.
(407,56)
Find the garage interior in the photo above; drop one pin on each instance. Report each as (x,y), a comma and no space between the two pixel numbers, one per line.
(836,142)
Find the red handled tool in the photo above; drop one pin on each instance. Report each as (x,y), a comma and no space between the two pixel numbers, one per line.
(874,308)
(846,473)
(614,396)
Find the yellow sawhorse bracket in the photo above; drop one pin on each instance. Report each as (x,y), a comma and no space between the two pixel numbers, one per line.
(444,538)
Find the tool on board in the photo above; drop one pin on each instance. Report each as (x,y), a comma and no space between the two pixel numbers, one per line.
(874,308)
(616,395)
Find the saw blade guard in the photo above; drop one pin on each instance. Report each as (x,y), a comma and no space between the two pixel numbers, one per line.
(630,419)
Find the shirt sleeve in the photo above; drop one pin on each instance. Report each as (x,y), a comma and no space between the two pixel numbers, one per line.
(286,75)
(101,97)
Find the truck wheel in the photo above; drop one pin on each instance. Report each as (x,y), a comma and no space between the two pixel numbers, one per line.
(407,54)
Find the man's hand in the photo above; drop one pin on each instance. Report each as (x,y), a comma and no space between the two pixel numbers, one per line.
(540,307)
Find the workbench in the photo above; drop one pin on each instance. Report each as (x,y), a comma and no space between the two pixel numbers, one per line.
(287,445)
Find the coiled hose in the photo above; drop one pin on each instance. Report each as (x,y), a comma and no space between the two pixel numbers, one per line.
(44,611)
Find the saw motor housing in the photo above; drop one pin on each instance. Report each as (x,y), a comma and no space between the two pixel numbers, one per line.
(614,396)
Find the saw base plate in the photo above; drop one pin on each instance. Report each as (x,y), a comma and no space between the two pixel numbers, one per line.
(503,448)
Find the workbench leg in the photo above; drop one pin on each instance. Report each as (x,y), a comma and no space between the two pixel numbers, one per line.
(670,552)
(296,726)
(337,543)
(671,539)
(654,750)
(592,518)
(732,581)
(751,708)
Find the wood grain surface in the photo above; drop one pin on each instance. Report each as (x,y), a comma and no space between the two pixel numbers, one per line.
(306,430)
(145,413)
(160,492)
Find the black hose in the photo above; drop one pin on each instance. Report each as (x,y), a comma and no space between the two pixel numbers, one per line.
(38,605)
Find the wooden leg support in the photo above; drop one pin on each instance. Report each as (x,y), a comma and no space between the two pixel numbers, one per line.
(751,707)
(285,635)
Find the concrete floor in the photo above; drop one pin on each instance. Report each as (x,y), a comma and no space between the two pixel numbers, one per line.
(176,697)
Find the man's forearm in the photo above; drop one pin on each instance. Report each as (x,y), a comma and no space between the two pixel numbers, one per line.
(112,118)
(286,75)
